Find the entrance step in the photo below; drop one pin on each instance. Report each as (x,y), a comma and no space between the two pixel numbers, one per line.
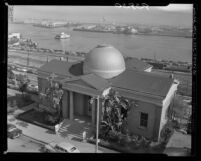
(75,128)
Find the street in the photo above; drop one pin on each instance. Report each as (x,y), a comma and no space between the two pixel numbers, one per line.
(23,144)
(27,144)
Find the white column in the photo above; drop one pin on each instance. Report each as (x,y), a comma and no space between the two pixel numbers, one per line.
(71,105)
(93,116)
(65,105)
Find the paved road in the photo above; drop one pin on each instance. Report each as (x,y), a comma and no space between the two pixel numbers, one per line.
(23,144)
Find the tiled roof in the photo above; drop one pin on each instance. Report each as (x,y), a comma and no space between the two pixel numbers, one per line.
(136,64)
(143,82)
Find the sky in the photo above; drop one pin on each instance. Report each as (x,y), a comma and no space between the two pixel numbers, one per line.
(173,14)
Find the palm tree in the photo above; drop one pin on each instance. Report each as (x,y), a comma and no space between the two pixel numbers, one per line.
(54,94)
(24,81)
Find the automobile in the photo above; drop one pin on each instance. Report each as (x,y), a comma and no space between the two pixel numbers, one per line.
(33,87)
(22,69)
(62,147)
(13,132)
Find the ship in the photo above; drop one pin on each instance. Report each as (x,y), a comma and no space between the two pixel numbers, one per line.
(62,36)
(43,25)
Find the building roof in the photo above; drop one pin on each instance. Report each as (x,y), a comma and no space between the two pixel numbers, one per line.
(143,82)
(62,68)
(57,67)
(81,87)
(88,84)
(131,81)
(95,81)
(136,64)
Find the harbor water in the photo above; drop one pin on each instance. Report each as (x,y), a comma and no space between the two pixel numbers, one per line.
(140,46)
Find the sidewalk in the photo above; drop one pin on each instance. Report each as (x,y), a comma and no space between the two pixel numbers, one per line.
(179,140)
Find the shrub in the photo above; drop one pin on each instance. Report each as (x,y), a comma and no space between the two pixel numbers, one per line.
(112,136)
(175,124)
(27,98)
(166,132)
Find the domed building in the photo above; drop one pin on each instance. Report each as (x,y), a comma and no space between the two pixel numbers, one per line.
(105,68)
(104,61)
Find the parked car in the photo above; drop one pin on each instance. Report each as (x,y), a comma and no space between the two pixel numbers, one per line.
(33,87)
(62,147)
(13,131)
(22,69)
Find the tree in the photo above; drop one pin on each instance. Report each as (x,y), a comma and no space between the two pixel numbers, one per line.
(23,84)
(10,74)
(114,121)
(23,87)
(54,94)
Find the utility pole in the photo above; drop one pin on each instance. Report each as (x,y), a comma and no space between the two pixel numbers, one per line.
(27,61)
(186,87)
(97,123)
(28,58)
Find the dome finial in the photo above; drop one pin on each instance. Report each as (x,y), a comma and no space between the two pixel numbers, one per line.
(103,45)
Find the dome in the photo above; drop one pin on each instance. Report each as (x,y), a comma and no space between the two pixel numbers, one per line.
(105,61)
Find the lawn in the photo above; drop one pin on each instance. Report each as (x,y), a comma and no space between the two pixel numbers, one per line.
(38,118)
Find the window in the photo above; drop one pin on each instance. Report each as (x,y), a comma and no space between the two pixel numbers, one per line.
(143,119)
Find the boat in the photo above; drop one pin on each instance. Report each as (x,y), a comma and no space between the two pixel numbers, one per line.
(62,36)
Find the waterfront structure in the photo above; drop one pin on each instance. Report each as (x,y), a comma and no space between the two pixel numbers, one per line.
(105,68)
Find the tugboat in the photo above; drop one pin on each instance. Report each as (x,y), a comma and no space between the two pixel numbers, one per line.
(62,36)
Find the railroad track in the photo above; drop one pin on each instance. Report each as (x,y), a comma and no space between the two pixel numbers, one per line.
(47,54)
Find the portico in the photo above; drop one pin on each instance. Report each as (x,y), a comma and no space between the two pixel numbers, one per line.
(80,99)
